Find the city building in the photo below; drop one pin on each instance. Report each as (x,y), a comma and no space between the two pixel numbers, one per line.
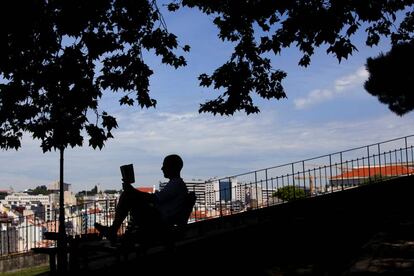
(54,187)
(222,190)
(20,199)
(40,205)
(197,186)
(29,231)
(68,197)
(363,174)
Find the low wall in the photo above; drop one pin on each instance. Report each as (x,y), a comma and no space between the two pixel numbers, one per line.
(322,234)
(21,261)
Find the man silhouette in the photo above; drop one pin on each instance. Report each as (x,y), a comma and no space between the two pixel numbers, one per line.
(151,210)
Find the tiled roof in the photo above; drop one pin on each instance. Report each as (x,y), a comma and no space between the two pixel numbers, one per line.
(145,189)
(365,172)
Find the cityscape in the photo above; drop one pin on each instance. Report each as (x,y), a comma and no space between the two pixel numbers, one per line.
(25,216)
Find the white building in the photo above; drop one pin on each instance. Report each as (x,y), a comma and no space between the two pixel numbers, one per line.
(21,199)
(69,199)
(30,232)
(199,188)
(55,187)
(222,190)
(68,196)
(31,202)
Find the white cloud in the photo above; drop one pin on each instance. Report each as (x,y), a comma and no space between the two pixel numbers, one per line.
(211,146)
(340,85)
(353,80)
(314,97)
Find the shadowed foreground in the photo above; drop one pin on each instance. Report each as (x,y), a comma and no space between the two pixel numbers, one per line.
(367,230)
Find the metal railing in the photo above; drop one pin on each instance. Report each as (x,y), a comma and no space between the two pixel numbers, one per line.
(307,178)
(234,194)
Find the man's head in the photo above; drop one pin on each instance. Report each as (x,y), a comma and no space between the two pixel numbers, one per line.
(172,166)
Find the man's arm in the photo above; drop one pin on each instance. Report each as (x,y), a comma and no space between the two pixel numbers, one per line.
(128,188)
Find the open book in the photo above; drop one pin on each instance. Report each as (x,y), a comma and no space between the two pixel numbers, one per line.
(127,172)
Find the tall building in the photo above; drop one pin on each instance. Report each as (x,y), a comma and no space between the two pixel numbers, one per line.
(197,186)
(223,190)
(55,187)
(68,196)
(250,194)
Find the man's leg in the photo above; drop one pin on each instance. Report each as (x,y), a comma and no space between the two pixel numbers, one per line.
(130,198)
(123,207)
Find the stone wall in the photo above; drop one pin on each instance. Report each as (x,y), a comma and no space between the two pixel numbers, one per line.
(21,261)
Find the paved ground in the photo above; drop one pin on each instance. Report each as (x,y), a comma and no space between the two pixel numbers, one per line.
(389,252)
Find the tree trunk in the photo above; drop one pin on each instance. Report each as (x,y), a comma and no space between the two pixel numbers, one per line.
(61,243)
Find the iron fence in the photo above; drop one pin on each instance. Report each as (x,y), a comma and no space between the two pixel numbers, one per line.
(307,178)
(262,188)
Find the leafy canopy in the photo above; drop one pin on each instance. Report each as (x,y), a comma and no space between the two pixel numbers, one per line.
(57,56)
(39,190)
(266,26)
(391,78)
(289,193)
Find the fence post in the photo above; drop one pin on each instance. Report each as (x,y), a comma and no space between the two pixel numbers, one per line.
(106,214)
(406,154)
(379,160)
(34,230)
(257,193)
(293,180)
(267,190)
(85,220)
(369,166)
(8,237)
(330,172)
(27,234)
(94,212)
(304,176)
(342,171)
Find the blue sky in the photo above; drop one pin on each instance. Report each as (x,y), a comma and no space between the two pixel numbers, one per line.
(327,110)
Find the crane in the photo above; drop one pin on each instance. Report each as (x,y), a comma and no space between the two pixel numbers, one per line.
(311,182)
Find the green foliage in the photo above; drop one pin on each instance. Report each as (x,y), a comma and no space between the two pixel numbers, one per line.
(39,190)
(392,78)
(111,191)
(57,57)
(91,192)
(3,195)
(34,270)
(376,178)
(289,193)
(258,28)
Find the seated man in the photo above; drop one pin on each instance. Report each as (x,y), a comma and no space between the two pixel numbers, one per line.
(147,209)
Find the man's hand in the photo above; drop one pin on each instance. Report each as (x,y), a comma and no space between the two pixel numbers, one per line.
(126,185)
